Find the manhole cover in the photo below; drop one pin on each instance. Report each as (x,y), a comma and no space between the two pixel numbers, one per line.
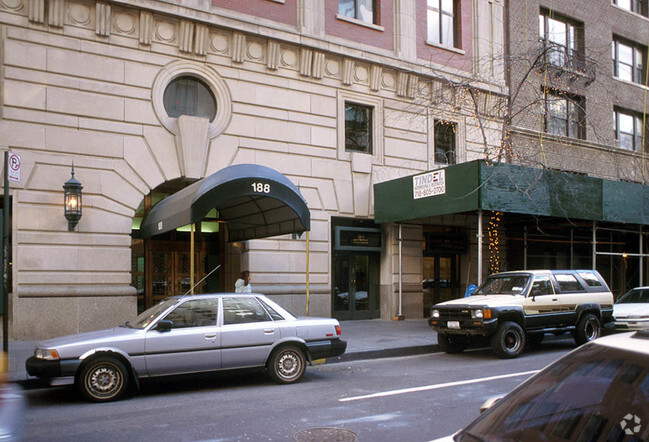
(326,434)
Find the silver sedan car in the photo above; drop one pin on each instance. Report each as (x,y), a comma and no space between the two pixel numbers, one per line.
(188,334)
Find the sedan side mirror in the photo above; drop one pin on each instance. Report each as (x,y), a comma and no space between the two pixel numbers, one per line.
(164,325)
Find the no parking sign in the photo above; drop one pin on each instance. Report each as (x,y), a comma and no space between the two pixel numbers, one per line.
(14,167)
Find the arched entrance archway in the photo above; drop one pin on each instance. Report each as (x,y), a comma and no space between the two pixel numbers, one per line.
(160,265)
(249,200)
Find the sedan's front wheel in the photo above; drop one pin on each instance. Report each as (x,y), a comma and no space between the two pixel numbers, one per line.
(286,365)
(103,379)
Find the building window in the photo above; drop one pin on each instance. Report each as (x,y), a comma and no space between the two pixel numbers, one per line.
(363,10)
(629,130)
(564,114)
(188,95)
(358,128)
(637,6)
(562,41)
(442,25)
(629,61)
(445,142)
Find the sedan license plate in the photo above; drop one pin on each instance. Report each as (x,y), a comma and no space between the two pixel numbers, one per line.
(453,324)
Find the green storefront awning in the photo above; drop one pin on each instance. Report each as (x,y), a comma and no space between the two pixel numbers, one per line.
(510,188)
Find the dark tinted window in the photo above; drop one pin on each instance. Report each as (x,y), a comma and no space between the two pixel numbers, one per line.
(635,296)
(584,397)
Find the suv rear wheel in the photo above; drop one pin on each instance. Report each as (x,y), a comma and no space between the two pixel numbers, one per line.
(509,340)
(451,344)
(588,329)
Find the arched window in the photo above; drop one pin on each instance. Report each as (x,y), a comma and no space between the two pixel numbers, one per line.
(187,95)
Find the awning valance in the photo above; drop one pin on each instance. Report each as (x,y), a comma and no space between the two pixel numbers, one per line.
(255,202)
(510,188)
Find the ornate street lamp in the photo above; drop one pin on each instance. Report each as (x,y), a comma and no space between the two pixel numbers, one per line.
(72,201)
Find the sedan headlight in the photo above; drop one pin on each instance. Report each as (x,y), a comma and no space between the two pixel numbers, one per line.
(435,314)
(46,353)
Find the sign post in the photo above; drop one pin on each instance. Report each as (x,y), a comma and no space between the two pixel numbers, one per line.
(5,255)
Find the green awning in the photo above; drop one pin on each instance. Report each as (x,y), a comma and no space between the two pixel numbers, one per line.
(475,185)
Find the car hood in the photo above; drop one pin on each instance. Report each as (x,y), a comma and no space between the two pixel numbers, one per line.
(478,300)
(110,335)
(626,310)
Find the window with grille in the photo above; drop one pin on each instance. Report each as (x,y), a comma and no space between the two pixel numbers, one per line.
(358,128)
(564,114)
(445,142)
(562,41)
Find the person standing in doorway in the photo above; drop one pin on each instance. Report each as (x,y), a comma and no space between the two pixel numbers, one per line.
(242,285)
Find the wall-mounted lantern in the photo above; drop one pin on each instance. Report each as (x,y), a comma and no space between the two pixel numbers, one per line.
(72,201)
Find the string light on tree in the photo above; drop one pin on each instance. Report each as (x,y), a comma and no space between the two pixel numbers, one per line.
(494,242)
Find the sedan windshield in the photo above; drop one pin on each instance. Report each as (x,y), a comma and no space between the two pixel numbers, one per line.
(596,393)
(146,317)
(503,285)
(635,296)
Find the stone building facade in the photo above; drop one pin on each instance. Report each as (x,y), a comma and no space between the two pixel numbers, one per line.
(84,82)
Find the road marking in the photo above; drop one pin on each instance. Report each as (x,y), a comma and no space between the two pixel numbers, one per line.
(436,386)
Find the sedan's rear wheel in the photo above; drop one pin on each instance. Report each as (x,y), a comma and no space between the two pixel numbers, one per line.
(103,379)
(286,365)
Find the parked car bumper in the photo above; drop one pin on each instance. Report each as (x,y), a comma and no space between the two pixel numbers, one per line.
(631,324)
(326,348)
(469,327)
(46,369)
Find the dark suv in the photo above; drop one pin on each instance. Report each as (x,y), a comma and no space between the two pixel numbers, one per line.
(512,309)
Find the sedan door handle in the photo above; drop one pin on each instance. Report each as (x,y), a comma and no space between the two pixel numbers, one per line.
(210,336)
(269,331)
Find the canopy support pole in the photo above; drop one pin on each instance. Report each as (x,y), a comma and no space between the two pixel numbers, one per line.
(479,247)
(307,273)
(191,259)
(400,316)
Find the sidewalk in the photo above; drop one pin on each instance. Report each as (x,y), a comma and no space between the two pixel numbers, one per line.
(366,339)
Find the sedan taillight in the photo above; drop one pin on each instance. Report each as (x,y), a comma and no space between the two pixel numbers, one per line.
(338,330)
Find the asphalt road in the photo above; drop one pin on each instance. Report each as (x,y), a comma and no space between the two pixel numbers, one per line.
(415,398)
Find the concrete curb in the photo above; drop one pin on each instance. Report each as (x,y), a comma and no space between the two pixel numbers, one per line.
(384,353)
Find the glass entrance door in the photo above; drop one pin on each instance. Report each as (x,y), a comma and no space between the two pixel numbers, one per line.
(441,281)
(355,288)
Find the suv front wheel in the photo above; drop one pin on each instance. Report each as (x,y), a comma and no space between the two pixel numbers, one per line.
(588,329)
(509,340)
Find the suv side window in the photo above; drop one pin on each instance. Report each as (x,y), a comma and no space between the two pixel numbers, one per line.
(542,285)
(590,279)
(568,283)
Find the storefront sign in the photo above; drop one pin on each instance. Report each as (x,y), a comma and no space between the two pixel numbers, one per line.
(429,184)
(358,238)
